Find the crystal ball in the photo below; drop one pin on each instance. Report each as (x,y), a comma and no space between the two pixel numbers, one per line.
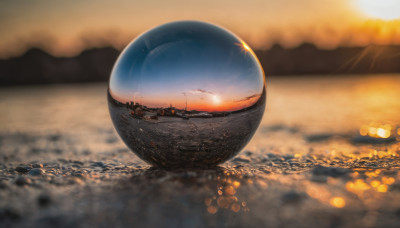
(186,94)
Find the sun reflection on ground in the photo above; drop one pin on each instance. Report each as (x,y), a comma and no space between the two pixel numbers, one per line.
(338,202)
(225,197)
(373,180)
(376,130)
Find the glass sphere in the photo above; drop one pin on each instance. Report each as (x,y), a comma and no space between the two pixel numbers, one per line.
(186,94)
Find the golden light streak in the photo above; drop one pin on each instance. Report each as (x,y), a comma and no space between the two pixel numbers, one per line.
(246,47)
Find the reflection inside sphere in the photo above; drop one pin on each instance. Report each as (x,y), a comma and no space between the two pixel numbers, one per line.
(186,94)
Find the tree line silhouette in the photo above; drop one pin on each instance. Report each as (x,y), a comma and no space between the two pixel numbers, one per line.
(95,65)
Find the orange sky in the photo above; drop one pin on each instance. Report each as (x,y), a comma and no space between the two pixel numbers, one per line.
(64,28)
(210,104)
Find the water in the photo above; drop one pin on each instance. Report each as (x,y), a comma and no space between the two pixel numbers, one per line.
(314,105)
(299,111)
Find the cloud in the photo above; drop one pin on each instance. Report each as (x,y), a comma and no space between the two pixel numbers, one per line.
(248,98)
(200,91)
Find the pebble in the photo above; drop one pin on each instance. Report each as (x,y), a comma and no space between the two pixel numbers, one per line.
(44,200)
(54,137)
(79,174)
(329,171)
(23,169)
(395,187)
(99,164)
(62,160)
(292,197)
(21,181)
(57,221)
(36,172)
(319,178)
(52,165)
(78,162)
(318,137)
(398,212)
(86,152)
(288,157)
(371,140)
(3,185)
(112,140)
(241,159)
(75,180)
(10,214)
(35,165)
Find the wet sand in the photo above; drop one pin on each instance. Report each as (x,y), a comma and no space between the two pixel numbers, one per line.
(62,164)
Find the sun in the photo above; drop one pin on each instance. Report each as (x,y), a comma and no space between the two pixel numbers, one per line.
(380,9)
(216,99)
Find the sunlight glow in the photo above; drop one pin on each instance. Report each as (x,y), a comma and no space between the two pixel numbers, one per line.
(381,9)
(246,47)
(383,133)
(376,130)
(338,202)
(216,99)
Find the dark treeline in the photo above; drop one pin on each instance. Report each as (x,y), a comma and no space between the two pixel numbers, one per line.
(38,67)
(307,59)
(94,65)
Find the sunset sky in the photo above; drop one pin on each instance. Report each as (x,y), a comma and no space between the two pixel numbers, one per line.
(193,62)
(65,28)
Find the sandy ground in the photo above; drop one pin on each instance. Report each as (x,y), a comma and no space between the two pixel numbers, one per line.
(63,165)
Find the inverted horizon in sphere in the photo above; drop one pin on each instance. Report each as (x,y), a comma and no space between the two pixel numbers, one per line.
(199,67)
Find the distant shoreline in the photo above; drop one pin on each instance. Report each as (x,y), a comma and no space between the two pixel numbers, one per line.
(95,65)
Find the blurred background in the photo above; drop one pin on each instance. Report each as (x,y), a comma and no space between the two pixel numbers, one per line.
(331,66)
(78,41)
(326,153)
